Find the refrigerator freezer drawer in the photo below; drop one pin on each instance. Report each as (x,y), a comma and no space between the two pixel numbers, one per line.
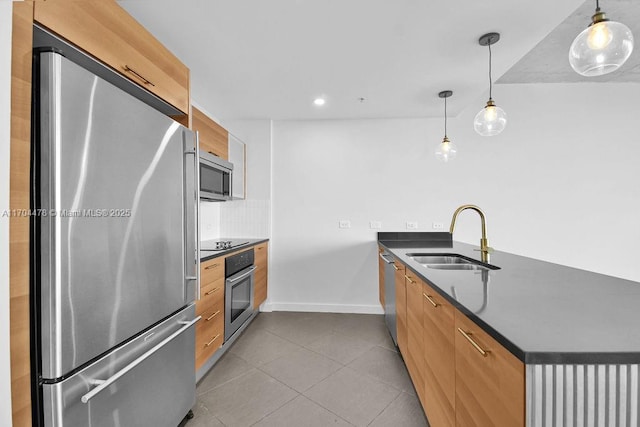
(150,381)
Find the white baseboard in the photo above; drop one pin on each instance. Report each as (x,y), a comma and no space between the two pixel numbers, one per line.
(322,308)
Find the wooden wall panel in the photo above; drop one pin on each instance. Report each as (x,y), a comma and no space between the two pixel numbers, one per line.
(22,34)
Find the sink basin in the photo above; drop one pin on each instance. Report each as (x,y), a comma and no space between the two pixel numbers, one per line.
(439,259)
(458,266)
(446,261)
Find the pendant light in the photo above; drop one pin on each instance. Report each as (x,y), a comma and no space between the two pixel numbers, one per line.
(602,47)
(491,120)
(446,150)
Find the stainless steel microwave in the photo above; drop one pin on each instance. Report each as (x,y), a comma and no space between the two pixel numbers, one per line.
(215,177)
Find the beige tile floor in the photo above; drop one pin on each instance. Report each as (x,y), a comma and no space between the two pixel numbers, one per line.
(309,369)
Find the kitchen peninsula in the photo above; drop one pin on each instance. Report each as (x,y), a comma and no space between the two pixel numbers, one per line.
(569,333)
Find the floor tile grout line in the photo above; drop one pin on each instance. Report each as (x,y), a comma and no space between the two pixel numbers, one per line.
(385,408)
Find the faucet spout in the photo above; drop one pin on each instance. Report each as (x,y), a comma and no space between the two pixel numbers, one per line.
(484,244)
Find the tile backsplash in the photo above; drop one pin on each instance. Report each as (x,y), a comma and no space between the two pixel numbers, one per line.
(245,218)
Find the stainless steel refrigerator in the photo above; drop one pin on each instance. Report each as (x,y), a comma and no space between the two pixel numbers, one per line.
(114,254)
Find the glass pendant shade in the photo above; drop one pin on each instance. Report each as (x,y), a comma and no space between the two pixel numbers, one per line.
(491,120)
(446,150)
(601,48)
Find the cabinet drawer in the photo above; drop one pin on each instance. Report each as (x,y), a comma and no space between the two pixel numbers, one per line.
(489,387)
(261,252)
(209,295)
(211,270)
(209,338)
(109,33)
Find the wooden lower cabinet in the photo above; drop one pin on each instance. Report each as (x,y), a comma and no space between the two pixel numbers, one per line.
(401,307)
(381,265)
(439,358)
(414,358)
(210,306)
(490,388)
(461,379)
(260,283)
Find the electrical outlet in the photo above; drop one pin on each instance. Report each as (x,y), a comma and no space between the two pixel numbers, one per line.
(437,225)
(412,225)
(375,225)
(344,223)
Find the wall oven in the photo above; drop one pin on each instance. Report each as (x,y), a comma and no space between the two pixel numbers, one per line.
(215,177)
(238,307)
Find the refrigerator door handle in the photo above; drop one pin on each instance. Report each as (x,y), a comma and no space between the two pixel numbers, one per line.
(196,168)
(102,384)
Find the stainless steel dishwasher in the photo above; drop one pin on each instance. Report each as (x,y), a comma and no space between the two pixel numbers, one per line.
(390,295)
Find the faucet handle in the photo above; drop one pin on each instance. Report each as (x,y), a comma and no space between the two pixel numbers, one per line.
(488,249)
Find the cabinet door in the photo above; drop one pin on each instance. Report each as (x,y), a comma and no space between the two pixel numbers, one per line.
(381,265)
(401,307)
(213,137)
(110,34)
(489,379)
(260,284)
(238,156)
(439,358)
(415,357)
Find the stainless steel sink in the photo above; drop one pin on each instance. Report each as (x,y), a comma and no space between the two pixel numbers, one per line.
(439,259)
(448,261)
(457,267)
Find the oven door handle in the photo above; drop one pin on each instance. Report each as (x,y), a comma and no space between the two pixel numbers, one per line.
(243,275)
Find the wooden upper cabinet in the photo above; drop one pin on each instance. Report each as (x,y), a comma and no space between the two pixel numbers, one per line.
(490,382)
(214,138)
(107,32)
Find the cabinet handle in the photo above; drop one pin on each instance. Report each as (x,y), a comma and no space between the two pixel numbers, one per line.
(213,315)
(473,343)
(409,279)
(209,267)
(211,291)
(395,266)
(138,75)
(211,342)
(433,303)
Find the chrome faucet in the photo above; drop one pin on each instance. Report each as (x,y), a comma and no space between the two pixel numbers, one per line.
(485,250)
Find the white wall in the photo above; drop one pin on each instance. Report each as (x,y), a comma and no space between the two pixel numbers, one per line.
(251,217)
(559,184)
(5,108)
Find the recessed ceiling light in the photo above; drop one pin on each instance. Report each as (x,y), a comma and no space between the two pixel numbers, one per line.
(319,101)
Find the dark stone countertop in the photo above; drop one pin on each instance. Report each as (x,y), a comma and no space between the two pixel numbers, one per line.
(207,255)
(540,311)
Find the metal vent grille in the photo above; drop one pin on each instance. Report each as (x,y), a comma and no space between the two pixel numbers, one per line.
(582,396)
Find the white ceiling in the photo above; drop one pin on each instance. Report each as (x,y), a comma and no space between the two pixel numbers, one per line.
(269,59)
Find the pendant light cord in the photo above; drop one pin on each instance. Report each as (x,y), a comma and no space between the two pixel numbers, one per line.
(597,5)
(445,117)
(490,80)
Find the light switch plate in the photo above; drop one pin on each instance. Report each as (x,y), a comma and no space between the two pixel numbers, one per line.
(375,225)
(412,225)
(344,223)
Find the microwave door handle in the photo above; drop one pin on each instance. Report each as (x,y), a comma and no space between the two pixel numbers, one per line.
(242,276)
